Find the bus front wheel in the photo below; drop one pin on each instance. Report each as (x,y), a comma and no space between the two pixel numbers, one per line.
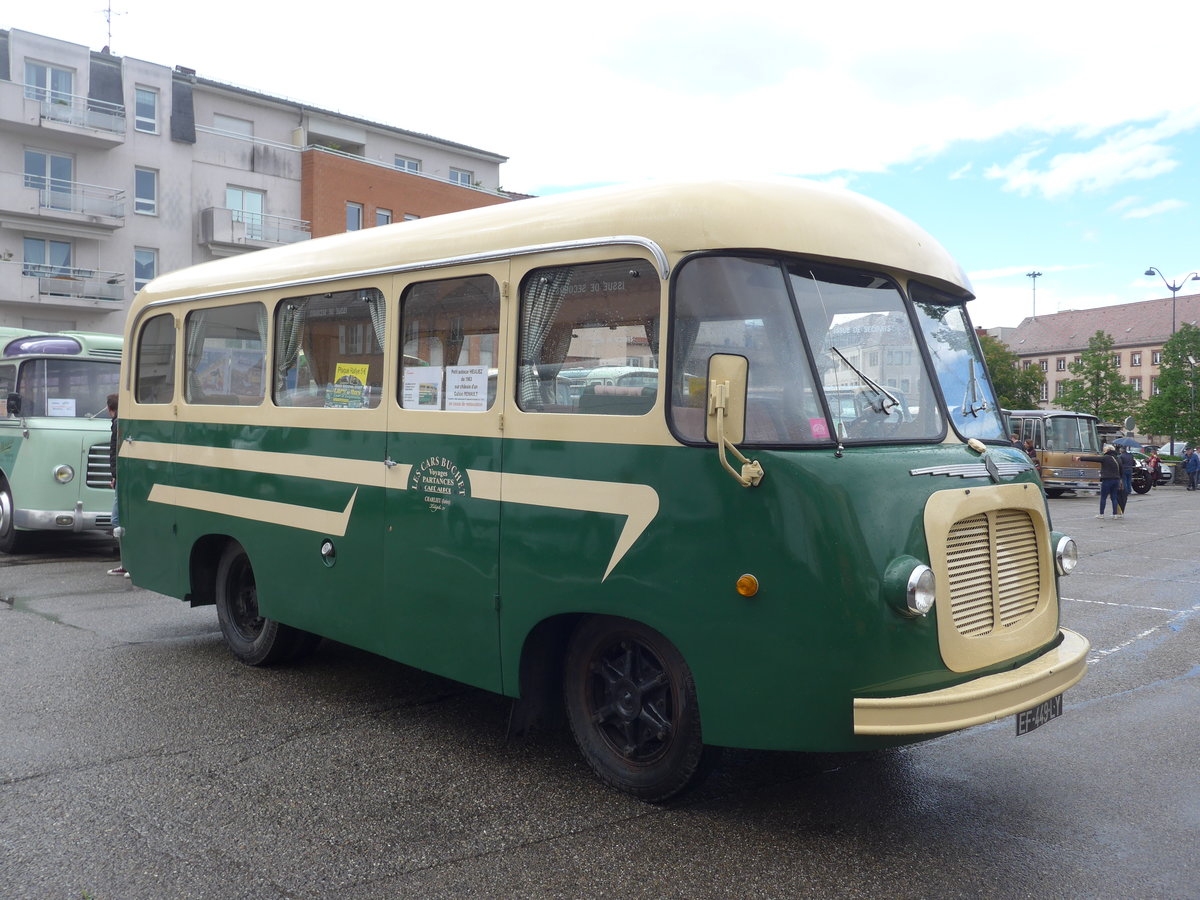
(10,539)
(631,702)
(254,640)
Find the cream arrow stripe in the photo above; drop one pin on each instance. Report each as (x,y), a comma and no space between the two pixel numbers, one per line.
(637,502)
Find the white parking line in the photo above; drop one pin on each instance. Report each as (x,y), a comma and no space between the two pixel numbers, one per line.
(1098,655)
(1126,605)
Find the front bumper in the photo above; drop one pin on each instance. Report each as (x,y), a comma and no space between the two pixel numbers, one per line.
(65,520)
(981,700)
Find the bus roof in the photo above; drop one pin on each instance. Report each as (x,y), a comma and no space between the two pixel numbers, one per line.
(16,342)
(1047,413)
(678,216)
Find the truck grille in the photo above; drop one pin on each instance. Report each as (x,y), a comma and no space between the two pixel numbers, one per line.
(99,472)
(992,559)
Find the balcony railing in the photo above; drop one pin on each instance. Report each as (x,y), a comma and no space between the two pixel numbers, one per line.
(73,283)
(234,226)
(82,112)
(77,197)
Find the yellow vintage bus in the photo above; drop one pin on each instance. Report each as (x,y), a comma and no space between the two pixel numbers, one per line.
(801,526)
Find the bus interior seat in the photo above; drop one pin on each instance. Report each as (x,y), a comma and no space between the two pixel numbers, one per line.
(614,400)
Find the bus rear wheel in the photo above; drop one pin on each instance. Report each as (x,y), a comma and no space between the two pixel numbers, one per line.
(255,640)
(631,702)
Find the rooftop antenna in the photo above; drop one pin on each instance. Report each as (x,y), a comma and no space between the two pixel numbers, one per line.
(1035,276)
(108,17)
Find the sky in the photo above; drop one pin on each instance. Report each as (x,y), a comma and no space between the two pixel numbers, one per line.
(1056,137)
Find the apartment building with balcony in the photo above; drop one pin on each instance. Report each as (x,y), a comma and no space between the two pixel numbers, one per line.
(1139,331)
(114,170)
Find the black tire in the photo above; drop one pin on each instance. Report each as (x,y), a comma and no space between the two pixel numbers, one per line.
(1054,492)
(631,702)
(254,640)
(1141,482)
(11,540)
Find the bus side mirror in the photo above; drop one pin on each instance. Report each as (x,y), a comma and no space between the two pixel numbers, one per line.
(14,405)
(728,377)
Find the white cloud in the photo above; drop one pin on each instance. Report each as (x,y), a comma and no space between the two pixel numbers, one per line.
(1154,209)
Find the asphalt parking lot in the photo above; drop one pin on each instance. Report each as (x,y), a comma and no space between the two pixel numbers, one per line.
(139,760)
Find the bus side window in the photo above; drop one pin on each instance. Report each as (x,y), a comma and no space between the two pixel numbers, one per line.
(155,362)
(226,350)
(450,330)
(8,384)
(581,318)
(329,350)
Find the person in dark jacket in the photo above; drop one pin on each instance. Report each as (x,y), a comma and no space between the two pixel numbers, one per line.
(1191,465)
(1126,459)
(112,465)
(1110,479)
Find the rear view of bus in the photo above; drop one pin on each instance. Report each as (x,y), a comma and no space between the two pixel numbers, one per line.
(54,437)
(706,464)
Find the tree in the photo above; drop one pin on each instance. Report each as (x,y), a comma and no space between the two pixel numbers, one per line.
(1173,410)
(1097,387)
(1016,388)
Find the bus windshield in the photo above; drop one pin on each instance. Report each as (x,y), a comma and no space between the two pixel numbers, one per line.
(958,364)
(67,387)
(1072,433)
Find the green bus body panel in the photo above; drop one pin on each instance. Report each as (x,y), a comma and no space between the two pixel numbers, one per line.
(27,463)
(418,582)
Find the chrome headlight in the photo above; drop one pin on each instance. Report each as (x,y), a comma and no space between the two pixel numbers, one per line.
(63,474)
(1066,554)
(921,591)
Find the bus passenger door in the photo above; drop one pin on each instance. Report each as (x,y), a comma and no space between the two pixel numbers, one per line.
(442,533)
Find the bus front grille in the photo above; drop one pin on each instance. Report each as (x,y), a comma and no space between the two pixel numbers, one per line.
(992,559)
(99,472)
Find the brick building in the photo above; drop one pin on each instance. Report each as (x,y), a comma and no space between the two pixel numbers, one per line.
(1139,330)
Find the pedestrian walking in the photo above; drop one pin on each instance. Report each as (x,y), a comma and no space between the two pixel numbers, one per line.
(1191,465)
(1153,467)
(1126,459)
(1110,480)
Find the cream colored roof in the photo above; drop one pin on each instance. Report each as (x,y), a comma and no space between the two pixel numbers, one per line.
(680,216)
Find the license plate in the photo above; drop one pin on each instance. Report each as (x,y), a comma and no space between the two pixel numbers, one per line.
(1039,715)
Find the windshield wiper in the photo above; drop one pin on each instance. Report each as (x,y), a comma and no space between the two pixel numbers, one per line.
(884,399)
(972,405)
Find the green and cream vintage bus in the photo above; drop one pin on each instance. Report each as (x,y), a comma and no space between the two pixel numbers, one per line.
(729,553)
(55,433)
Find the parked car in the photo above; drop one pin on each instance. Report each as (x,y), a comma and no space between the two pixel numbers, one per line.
(1175,448)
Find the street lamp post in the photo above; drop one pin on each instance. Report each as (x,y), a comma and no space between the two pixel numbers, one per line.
(1035,276)
(1173,288)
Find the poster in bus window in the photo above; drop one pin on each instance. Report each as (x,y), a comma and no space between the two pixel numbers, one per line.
(423,387)
(466,388)
(349,388)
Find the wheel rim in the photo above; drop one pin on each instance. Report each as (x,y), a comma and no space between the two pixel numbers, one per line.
(631,701)
(5,511)
(242,603)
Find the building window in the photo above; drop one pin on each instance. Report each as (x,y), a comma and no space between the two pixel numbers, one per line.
(233,125)
(1045,388)
(1156,357)
(1061,364)
(1116,360)
(145,266)
(145,192)
(1154,389)
(354,216)
(1044,364)
(53,176)
(1078,360)
(248,208)
(409,217)
(1136,383)
(405,164)
(1135,358)
(1059,387)
(1025,364)
(383,216)
(462,176)
(46,257)
(46,82)
(145,110)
